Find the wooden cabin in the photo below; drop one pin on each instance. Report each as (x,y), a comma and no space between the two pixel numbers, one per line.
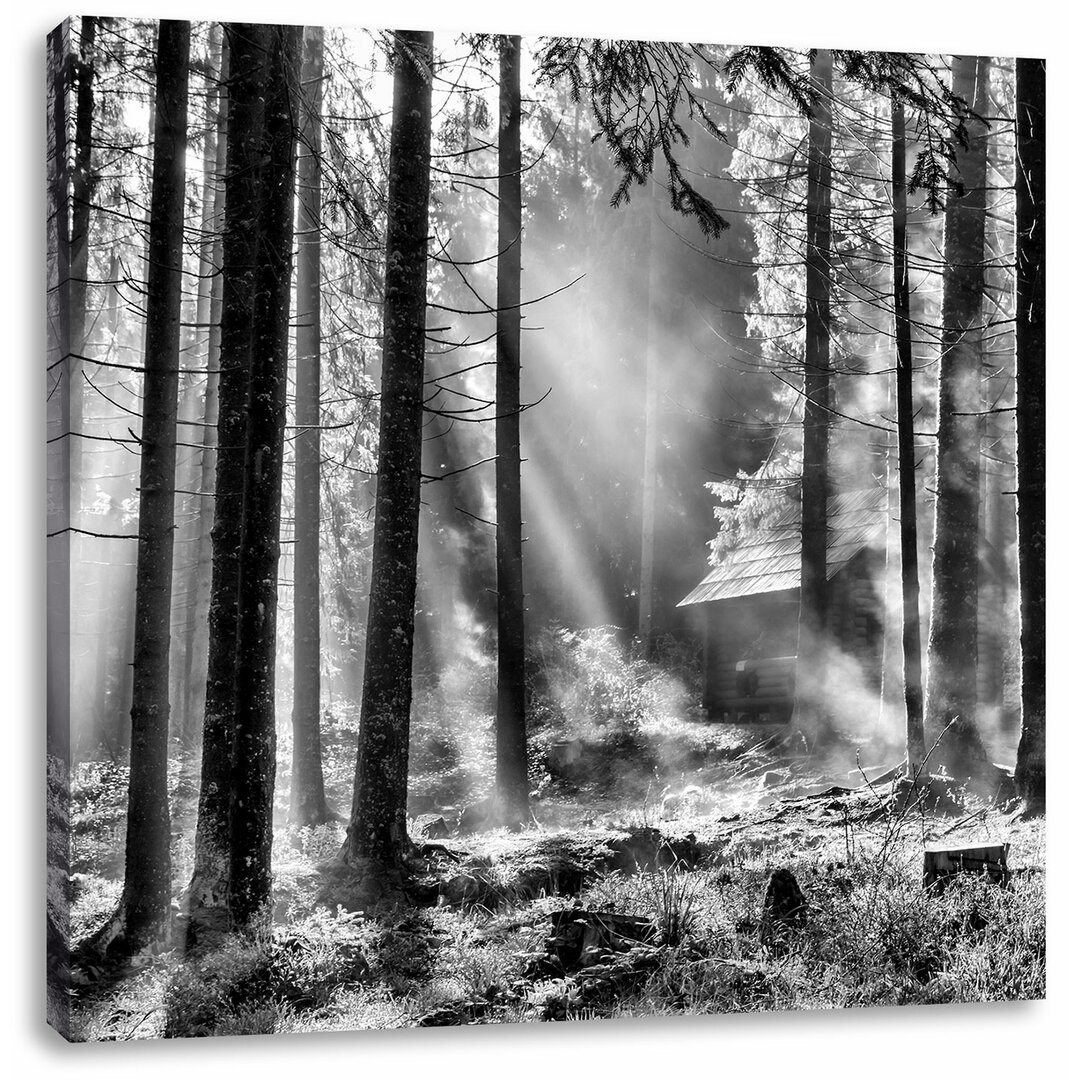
(750,608)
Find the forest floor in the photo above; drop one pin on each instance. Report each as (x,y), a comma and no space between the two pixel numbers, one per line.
(637,890)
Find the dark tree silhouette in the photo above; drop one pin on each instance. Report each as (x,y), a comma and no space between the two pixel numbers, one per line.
(1031,423)
(377,840)
(511,761)
(905,436)
(813,584)
(254,749)
(248,46)
(143,910)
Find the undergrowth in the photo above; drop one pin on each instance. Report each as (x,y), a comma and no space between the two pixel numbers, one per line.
(481,954)
(873,936)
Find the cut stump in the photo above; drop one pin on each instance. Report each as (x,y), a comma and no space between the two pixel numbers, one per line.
(783,910)
(944,861)
(580,937)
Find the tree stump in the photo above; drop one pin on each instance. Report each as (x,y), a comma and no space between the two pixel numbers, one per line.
(944,861)
(565,759)
(783,911)
(433,827)
(580,936)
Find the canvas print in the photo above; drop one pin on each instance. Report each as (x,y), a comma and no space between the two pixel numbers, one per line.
(538,528)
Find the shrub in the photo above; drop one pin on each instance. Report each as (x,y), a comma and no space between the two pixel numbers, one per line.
(249,987)
(314,958)
(226,991)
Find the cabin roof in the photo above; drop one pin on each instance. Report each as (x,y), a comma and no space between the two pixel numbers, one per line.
(769,561)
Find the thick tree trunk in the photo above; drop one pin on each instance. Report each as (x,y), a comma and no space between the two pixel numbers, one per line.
(952,694)
(144,905)
(251,808)
(905,437)
(248,46)
(1031,423)
(308,798)
(813,718)
(511,759)
(197,547)
(377,839)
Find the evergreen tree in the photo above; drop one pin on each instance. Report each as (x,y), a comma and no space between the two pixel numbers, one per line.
(143,910)
(953,640)
(307,798)
(1030,422)
(248,47)
(254,758)
(813,582)
(905,431)
(377,841)
(511,761)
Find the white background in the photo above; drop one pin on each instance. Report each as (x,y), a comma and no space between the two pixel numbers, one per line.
(1033,1040)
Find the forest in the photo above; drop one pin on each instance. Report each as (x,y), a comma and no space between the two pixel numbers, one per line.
(538,528)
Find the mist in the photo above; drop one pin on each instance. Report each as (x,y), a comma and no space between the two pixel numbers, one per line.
(603,288)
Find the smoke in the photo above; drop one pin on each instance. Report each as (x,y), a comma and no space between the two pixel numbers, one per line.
(840,687)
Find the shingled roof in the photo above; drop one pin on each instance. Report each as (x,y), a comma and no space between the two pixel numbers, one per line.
(769,561)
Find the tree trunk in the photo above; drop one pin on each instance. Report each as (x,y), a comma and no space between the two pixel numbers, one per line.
(308,798)
(377,840)
(251,808)
(1031,423)
(953,645)
(248,46)
(905,438)
(511,759)
(200,515)
(144,905)
(194,693)
(813,717)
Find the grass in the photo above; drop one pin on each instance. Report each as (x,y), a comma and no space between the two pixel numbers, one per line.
(679,823)
(874,936)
